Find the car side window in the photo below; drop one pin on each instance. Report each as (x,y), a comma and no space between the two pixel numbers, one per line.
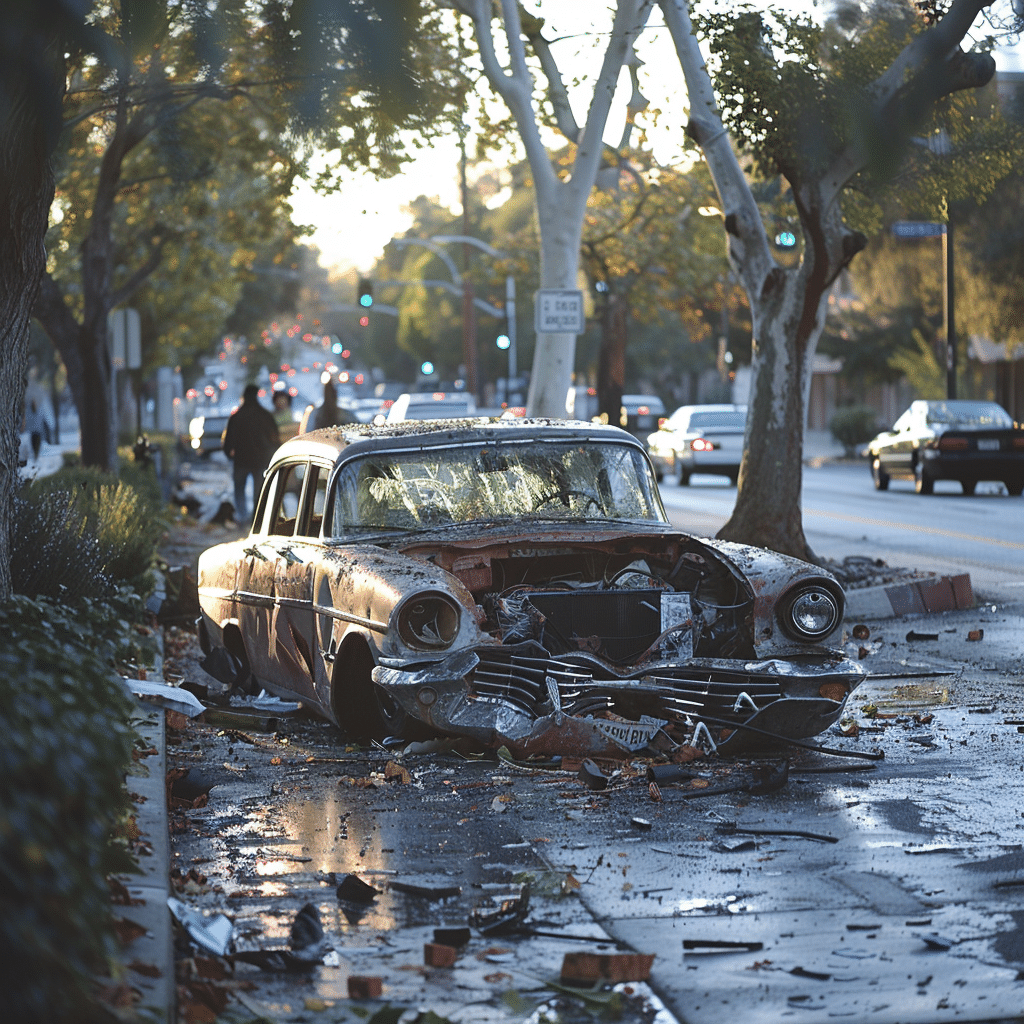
(316,498)
(283,505)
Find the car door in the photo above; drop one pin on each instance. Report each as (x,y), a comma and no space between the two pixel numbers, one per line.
(297,558)
(896,455)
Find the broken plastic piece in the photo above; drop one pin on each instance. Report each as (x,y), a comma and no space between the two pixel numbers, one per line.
(721,945)
(212,933)
(427,892)
(641,823)
(591,776)
(936,941)
(662,773)
(502,914)
(307,930)
(802,972)
(457,937)
(354,890)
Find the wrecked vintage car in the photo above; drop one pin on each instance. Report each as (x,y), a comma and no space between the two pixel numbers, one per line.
(516,582)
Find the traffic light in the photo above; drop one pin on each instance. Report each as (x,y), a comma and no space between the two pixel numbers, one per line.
(365,292)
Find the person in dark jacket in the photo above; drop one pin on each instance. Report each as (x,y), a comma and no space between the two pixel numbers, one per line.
(250,440)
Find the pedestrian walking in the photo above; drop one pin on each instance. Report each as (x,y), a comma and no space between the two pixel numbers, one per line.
(329,413)
(37,426)
(250,440)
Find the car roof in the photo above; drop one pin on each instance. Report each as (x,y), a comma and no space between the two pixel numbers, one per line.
(355,438)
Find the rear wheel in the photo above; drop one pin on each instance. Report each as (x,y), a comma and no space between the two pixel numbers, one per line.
(682,474)
(923,483)
(968,486)
(1015,487)
(879,475)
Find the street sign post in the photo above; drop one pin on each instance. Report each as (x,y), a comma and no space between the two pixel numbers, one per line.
(559,311)
(918,229)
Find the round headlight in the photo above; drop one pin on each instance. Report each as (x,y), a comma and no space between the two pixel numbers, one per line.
(428,622)
(810,612)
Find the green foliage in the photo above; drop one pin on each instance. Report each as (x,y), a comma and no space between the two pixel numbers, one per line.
(854,425)
(67,746)
(82,532)
(925,374)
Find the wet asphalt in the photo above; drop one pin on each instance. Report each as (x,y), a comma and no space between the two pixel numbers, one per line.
(866,889)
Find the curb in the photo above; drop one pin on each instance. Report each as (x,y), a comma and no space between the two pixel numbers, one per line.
(918,597)
(153,951)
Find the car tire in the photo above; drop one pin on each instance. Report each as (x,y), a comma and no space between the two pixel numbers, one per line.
(923,483)
(682,475)
(734,478)
(361,707)
(879,475)
(968,487)
(1015,487)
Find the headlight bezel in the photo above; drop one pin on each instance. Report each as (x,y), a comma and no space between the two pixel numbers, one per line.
(429,620)
(801,600)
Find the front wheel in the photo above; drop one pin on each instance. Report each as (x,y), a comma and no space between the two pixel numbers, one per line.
(923,483)
(968,486)
(879,475)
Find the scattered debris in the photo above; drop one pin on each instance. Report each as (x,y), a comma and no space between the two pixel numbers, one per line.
(860,632)
(975,634)
(436,954)
(362,986)
(912,636)
(501,914)
(353,889)
(457,937)
(589,968)
(721,946)
(213,934)
(427,892)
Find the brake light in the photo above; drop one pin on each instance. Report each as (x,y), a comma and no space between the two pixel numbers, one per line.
(702,444)
(953,444)
(643,410)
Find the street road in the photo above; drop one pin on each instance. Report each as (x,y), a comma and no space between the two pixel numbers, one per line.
(844,515)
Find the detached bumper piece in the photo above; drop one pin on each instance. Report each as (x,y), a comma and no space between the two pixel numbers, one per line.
(522,697)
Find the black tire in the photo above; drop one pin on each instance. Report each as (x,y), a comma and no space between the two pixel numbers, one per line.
(363,710)
(968,486)
(734,478)
(1015,487)
(682,475)
(923,483)
(879,475)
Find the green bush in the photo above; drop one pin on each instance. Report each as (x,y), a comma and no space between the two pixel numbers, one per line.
(64,718)
(109,518)
(854,425)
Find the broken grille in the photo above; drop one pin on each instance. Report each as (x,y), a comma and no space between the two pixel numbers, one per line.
(518,674)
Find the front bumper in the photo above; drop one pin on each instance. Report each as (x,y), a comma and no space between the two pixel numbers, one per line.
(523,698)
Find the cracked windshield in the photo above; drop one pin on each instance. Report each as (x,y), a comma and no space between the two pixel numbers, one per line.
(408,490)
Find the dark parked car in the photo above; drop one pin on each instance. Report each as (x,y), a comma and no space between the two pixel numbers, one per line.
(953,439)
(516,582)
(205,431)
(699,439)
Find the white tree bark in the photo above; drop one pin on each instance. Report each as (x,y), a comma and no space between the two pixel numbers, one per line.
(789,305)
(560,203)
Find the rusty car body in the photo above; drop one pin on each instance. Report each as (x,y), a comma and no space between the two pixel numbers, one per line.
(516,582)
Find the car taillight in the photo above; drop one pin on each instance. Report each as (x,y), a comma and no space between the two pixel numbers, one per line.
(953,444)
(702,444)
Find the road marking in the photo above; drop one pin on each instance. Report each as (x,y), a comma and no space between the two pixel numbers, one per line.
(1016,545)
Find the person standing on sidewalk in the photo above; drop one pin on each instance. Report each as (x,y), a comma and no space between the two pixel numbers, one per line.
(250,440)
(37,427)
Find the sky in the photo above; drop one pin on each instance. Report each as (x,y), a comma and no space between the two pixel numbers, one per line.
(353,226)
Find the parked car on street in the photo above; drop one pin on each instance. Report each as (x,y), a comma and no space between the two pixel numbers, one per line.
(699,439)
(953,439)
(641,413)
(205,430)
(432,405)
(516,582)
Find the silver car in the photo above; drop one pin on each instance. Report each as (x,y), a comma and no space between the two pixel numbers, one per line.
(699,439)
(516,582)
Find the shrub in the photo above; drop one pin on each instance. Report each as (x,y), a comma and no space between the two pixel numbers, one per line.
(67,745)
(101,510)
(854,425)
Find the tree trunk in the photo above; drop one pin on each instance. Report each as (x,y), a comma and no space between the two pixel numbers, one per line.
(767,510)
(26,193)
(611,364)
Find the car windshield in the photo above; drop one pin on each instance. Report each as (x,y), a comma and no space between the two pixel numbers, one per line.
(969,414)
(718,420)
(564,480)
